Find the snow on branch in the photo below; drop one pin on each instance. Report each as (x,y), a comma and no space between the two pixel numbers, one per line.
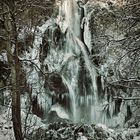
(126,98)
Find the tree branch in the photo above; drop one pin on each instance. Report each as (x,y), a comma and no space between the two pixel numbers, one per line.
(127,98)
(34,65)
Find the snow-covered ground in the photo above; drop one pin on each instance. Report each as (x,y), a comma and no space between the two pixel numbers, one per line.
(81,132)
(6,127)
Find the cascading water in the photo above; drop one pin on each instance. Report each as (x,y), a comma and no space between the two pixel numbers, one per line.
(87,99)
(70,85)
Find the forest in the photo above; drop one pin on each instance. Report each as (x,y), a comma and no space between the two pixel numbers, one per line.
(69,70)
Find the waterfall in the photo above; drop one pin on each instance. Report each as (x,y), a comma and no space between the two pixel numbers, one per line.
(70,83)
(74,44)
(71,15)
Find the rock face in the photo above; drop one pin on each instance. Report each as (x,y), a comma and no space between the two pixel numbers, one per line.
(111,39)
(55,83)
(59,91)
(51,39)
(52,116)
(36,108)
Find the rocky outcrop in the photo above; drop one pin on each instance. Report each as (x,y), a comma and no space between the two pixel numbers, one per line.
(52,38)
(69,131)
(58,90)
(55,83)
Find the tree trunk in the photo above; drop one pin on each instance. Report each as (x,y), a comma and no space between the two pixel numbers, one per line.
(16,109)
(10,26)
(15,90)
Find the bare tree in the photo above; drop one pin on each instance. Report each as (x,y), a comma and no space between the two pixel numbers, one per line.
(13,15)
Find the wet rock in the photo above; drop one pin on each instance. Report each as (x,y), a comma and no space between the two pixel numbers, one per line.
(51,38)
(36,108)
(52,116)
(44,48)
(55,83)
(52,35)
(57,90)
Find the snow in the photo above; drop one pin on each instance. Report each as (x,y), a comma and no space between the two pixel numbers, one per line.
(137,138)
(34,123)
(3,56)
(6,129)
(104,127)
(82,137)
(32,75)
